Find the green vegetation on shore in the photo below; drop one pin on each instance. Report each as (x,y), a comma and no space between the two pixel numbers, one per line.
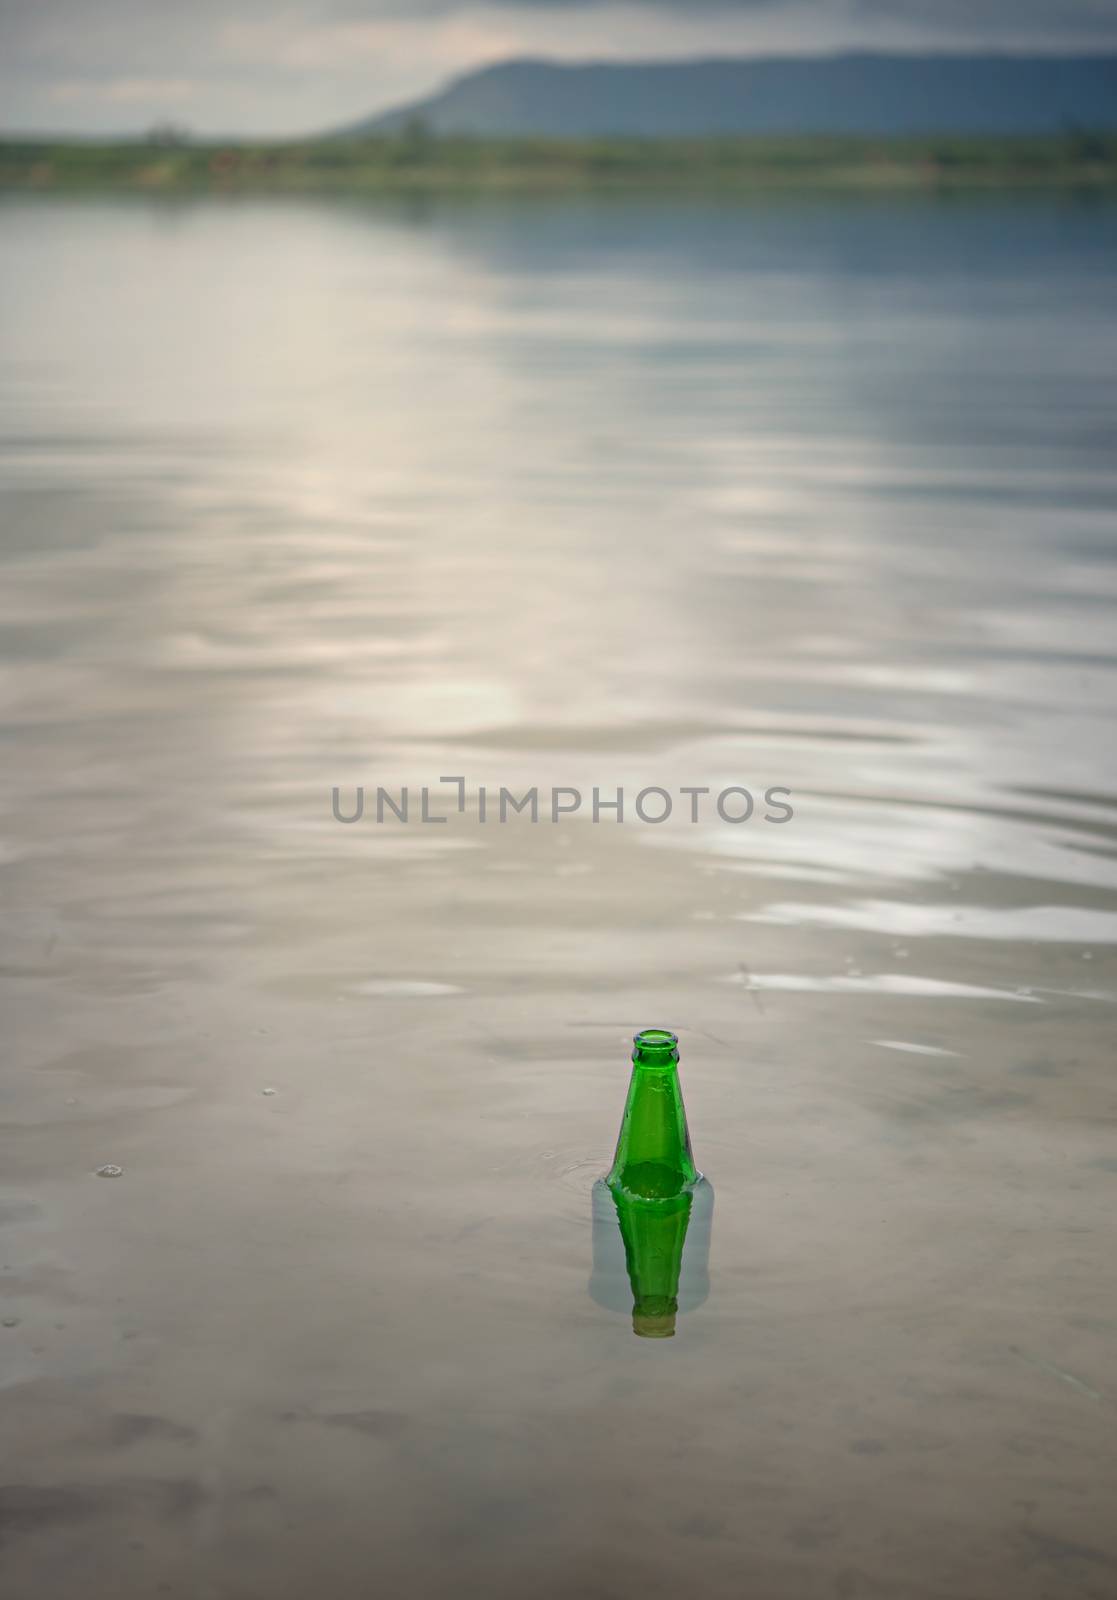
(414,159)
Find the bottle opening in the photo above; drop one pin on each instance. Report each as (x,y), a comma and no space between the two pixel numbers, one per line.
(656,1039)
(655,1047)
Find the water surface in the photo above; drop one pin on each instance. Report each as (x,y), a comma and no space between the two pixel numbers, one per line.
(805,494)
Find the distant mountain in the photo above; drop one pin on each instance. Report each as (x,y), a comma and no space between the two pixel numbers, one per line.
(859,93)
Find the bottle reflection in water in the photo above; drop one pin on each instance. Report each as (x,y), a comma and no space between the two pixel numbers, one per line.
(652,1213)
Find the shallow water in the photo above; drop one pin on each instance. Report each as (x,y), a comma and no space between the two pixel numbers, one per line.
(808,495)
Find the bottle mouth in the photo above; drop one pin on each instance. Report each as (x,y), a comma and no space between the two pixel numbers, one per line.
(656,1045)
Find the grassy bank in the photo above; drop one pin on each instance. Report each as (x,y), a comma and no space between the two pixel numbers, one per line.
(416,160)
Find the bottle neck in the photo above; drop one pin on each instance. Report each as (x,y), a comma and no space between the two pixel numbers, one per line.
(655,1062)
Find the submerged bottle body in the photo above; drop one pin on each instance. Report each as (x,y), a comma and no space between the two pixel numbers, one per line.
(621,1250)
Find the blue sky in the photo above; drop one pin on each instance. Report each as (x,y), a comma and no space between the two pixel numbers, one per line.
(289,66)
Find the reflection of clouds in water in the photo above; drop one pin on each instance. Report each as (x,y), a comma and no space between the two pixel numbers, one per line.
(880,983)
(866,839)
(1062,924)
(405,989)
(379,496)
(405,533)
(909,1047)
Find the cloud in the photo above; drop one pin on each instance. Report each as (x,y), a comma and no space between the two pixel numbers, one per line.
(1007,18)
(125,91)
(1008,15)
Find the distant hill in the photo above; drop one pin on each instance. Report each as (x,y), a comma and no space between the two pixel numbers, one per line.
(854,94)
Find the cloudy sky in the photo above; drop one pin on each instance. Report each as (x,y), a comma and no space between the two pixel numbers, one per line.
(289,66)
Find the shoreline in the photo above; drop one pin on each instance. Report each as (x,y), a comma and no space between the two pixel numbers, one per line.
(428,165)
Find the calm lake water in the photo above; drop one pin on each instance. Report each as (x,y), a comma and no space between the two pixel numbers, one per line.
(795,494)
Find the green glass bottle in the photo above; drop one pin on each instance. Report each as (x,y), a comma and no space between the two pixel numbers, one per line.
(653,1181)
